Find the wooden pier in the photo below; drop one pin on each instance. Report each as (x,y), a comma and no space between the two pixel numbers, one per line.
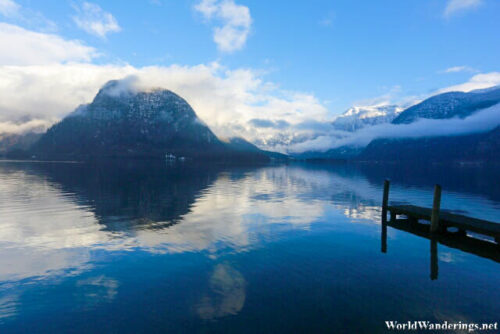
(440,221)
(437,232)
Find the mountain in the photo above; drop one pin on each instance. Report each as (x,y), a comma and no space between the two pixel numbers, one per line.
(241,145)
(122,122)
(452,104)
(478,147)
(356,118)
(13,142)
(352,120)
(482,147)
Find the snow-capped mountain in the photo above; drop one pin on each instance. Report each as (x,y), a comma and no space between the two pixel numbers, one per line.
(452,104)
(356,118)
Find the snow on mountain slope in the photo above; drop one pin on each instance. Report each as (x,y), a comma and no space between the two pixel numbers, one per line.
(356,118)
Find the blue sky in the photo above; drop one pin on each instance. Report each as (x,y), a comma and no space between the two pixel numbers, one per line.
(334,54)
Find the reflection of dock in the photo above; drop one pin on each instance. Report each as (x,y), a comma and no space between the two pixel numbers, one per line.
(440,221)
(437,232)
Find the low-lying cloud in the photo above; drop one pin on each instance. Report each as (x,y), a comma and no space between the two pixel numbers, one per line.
(227,100)
(481,121)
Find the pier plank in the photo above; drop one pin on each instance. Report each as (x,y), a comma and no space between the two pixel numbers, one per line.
(448,219)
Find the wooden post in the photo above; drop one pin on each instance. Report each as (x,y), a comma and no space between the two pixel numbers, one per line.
(436,205)
(385,201)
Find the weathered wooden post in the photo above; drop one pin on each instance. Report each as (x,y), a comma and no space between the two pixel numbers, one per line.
(435,209)
(385,201)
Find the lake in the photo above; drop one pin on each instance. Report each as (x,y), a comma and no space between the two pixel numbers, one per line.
(135,247)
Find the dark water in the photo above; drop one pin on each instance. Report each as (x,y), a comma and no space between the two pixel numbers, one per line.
(133,248)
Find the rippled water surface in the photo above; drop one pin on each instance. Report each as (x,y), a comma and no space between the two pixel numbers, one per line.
(144,247)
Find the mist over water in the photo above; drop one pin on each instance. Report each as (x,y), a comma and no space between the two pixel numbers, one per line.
(155,247)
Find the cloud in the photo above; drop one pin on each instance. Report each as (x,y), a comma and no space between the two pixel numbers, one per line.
(457,69)
(14,12)
(95,21)
(478,81)
(456,6)
(481,121)
(45,77)
(26,47)
(33,125)
(9,8)
(265,123)
(235,22)
(227,100)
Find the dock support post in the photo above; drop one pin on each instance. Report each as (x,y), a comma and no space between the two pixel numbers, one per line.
(435,209)
(385,201)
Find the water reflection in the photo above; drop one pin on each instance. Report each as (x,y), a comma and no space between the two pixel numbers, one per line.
(469,244)
(226,295)
(63,221)
(98,289)
(53,214)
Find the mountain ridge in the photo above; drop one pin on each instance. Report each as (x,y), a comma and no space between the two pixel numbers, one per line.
(122,122)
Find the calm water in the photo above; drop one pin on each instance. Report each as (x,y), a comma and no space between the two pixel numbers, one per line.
(132,248)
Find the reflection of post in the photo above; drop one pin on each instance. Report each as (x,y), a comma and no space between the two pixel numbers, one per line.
(434,259)
(385,201)
(435,209)
(384,237)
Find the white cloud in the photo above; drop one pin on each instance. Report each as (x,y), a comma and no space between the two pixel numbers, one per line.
(35,125)
(9,8)
(478,81)
(13,12)
(482,121)
(25,47)
(456,6)
(95,21)
(43,77)
(458,69)
(235,22)
(225,99)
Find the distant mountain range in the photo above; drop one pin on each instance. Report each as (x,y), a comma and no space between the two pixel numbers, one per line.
(356,118)
(473,147)
(449,105)
(17,142)
(123,123)
(478,147)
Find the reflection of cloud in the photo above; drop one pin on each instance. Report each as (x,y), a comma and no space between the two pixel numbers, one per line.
(226,296)
(46,231)
(97,289)
(8,306)
(26,262)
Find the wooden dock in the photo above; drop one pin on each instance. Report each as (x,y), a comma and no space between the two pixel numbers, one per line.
(440,220)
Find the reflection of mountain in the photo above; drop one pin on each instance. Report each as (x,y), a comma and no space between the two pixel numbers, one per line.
(131,196)
(53,215)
